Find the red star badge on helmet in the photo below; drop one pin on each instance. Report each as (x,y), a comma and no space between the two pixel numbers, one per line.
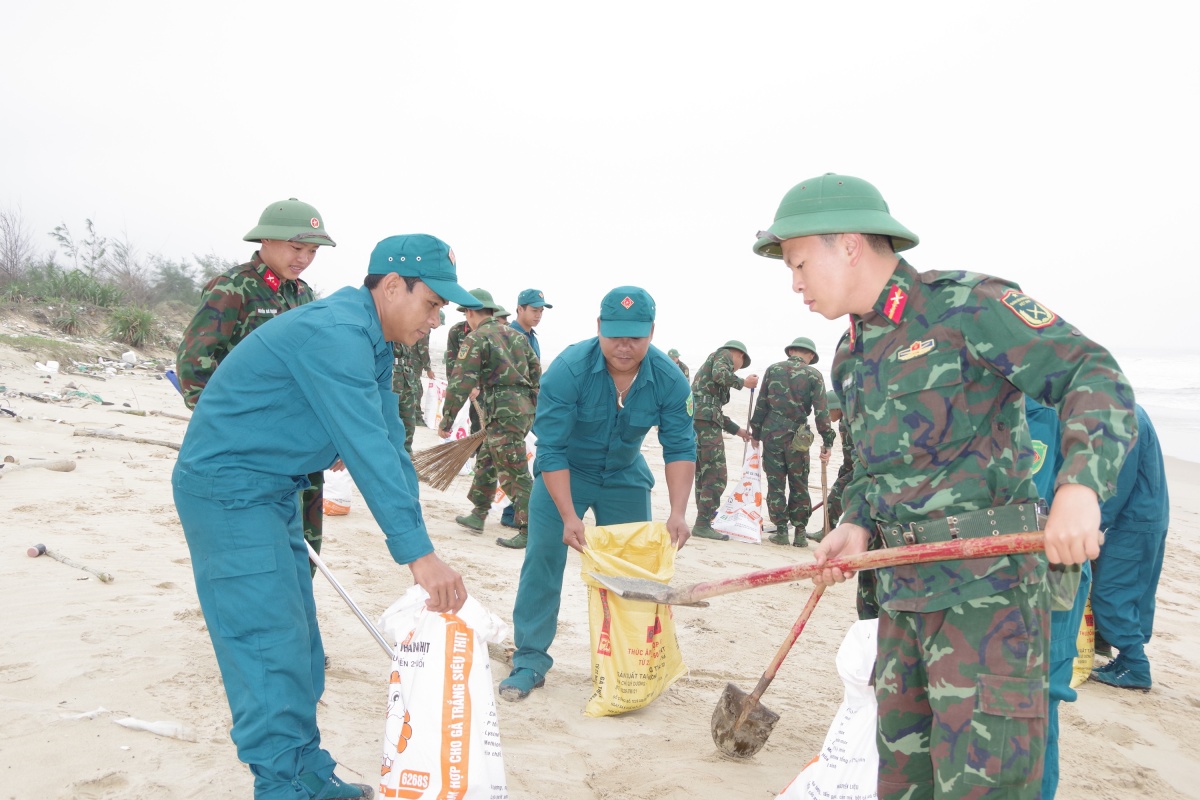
(316,223)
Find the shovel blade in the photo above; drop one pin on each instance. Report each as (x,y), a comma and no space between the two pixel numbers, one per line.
(746,739)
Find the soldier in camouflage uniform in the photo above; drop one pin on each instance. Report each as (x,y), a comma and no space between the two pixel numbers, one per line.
(239,300)
(931,378)
(710,393)
(674,354)
(454,339)
(408,365)
(791,391)
(865,602)
(498,361)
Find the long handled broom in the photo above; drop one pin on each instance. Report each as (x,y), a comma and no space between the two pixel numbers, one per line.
(439,465)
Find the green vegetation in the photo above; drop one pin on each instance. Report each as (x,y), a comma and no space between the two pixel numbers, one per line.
(49,349)
(132,325)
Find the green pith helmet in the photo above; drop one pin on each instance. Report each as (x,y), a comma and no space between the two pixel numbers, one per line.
(673,353)
(831,401)
(805,343)
(290,221)
(832,204)
(441,317)
(484,297)
(500,311)
(734,344)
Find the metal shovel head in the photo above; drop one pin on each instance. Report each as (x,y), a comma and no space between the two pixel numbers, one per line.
(746,739)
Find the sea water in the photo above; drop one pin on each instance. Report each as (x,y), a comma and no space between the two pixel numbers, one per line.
(1167,385)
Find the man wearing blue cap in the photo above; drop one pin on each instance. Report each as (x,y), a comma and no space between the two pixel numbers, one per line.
(530,304)
(598,401)
(324,371)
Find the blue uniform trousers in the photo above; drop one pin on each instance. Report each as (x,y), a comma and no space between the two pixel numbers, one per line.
(1123,589)
(539,594)
(255,589)
(1064,638)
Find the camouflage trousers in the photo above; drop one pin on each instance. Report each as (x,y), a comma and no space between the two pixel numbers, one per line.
(786,468)
(410,410)
(502,461)
(711,473)
(963,698)
(312,511)
(833,505)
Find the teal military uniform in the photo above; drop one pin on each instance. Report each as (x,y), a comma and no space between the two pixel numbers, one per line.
(324,373)
(581,428)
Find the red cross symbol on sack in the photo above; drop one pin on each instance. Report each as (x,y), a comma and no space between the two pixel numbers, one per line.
(653,630)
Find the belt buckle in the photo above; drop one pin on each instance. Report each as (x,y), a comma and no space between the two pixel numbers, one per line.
(910,535)
(952,523)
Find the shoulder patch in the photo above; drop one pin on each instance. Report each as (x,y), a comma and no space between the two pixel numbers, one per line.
(463,350)
(1028,310)
(689,405)
(1039,455)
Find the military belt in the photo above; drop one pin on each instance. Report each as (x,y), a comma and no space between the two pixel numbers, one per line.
(972,525)
(706,400)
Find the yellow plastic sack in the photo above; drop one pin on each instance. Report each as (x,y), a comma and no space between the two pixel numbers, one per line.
(635,655)
(1081,670)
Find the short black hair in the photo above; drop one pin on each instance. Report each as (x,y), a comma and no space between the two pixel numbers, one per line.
(371,281)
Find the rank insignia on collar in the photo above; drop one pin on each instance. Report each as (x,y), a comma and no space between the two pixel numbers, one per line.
(1028,310)
(915,350)
(272,279)
(893,307)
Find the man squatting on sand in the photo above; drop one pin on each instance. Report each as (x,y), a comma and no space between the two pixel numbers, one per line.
(324,371)
(931,378)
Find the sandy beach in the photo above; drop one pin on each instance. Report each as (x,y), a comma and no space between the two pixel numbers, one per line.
(78,654)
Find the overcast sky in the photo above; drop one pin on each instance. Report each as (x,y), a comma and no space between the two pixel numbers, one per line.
(576,147)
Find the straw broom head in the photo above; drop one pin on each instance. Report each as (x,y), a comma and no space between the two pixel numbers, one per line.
(439,465)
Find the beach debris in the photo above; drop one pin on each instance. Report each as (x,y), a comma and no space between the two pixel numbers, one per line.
(50,367)
(175,730)
(129,357)
(169,415)
(41,550)
(95,712)
(54,465)
(101,433)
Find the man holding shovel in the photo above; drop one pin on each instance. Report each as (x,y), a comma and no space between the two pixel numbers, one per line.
(323,372)
(792,390)
(931,378)
(710,390)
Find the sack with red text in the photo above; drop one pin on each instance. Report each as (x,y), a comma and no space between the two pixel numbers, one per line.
(741,515)
(337,493)
(442,736)
(432,398)
(635,655)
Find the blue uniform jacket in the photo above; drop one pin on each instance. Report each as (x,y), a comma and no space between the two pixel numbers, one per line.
(1141,502)
(1043,429)
(579,427)
(531,335)
(300,391)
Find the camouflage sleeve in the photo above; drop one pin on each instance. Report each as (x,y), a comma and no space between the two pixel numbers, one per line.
(207,339)
(722,371)
(821,409)
(466,377)
(423,354)
(1049,360)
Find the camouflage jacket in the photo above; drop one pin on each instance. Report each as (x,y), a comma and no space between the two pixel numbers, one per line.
(410,364)
(710,389)
(234,304)
(687,373)
(847,447)
(789,392)
(500,361)
(454,339)
(931,382)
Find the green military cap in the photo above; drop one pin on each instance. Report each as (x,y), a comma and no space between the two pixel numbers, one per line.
(290,221)
(832,204)
(734,344)
(673,353)
(831,401)
(484,298)
(805,344)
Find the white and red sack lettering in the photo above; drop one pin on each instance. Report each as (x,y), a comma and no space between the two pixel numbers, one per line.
(432,397)
(337,493)
(442,735)
(847,767)
(741,514)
